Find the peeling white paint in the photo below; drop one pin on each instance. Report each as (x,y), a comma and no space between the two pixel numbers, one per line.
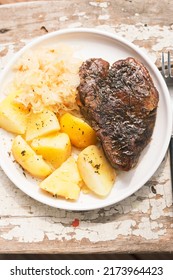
(63,18)
(2,47)
(142,206)
(34,230)
(104,17)
(101,4)
(41,16)
(42,220)
(149,230)
(80,14)
(27,230)
(139,33)
(9,55)
(105,27)
(75,24)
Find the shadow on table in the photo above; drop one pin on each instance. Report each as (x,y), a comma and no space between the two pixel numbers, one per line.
(160,256)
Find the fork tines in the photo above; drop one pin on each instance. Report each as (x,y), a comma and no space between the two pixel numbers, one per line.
(167,67)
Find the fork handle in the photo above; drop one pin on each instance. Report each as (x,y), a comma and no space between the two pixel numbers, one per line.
(171,158)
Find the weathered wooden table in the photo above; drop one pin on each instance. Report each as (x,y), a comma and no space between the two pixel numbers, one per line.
(140,223)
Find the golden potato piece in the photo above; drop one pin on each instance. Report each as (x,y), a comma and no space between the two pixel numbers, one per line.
(80,133)
(28,159)
(13,116)
(54,148)
(95,170)
(41,124)
(65,181)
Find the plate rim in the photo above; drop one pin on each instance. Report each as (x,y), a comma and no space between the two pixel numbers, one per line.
(158,75)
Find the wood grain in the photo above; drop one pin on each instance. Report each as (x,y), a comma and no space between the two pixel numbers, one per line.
(3,2)
(139,224)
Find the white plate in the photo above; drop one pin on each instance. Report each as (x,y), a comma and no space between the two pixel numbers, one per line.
(94,43)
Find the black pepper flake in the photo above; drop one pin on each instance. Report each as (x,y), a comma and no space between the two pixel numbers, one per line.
(97,167)
(23,153)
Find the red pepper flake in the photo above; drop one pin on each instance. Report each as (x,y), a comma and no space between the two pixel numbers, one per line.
(75,223)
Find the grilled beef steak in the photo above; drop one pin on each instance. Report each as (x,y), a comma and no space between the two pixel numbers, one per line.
(120,103)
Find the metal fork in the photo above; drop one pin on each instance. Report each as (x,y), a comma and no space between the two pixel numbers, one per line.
(167,73)
(167,68)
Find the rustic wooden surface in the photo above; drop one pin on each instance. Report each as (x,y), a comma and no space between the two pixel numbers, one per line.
(141,223)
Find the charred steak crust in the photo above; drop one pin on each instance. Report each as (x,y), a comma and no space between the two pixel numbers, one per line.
(120,103)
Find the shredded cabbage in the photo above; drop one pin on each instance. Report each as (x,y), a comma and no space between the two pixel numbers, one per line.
(48,77)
